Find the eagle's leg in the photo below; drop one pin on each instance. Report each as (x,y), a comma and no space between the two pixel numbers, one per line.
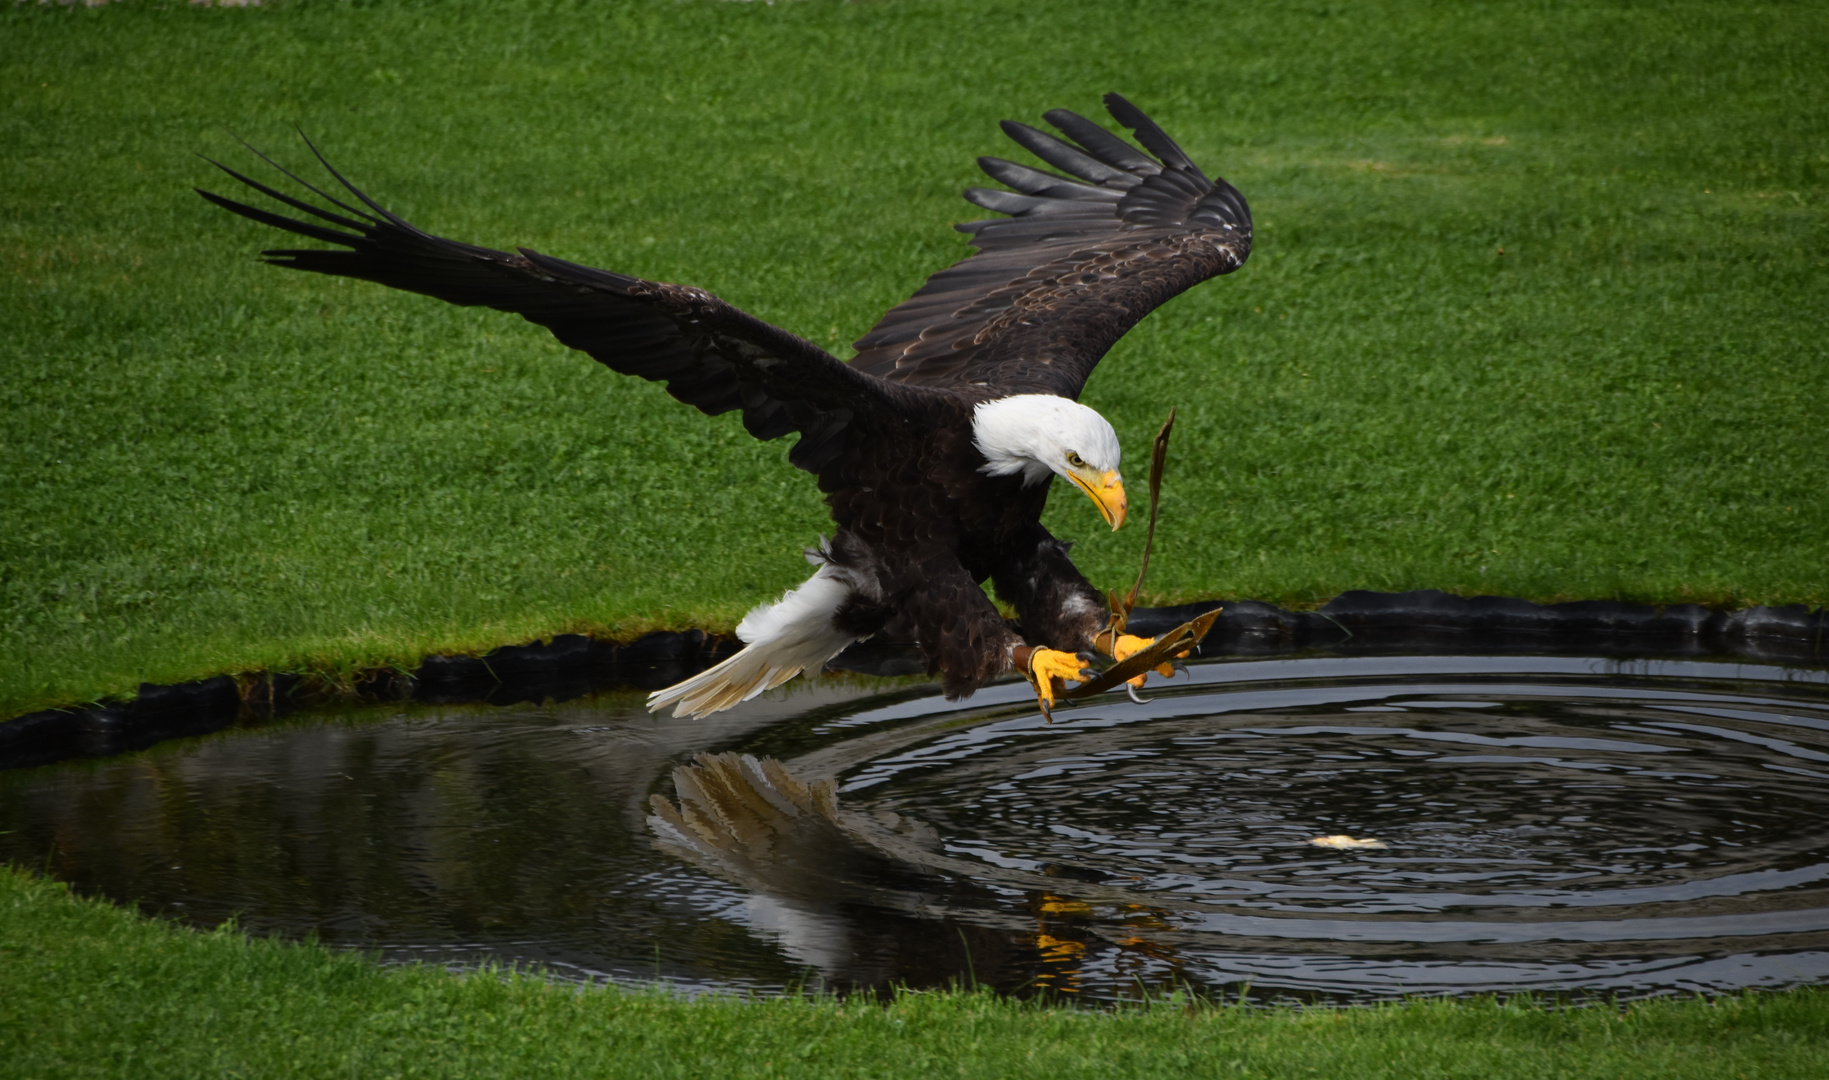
(1061,613)
(1058,607)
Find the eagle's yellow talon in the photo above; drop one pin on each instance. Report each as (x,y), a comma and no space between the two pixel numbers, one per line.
(1125,646)
(1048,665)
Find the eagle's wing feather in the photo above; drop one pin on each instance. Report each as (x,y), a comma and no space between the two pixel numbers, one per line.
(1079,261)
(709,354)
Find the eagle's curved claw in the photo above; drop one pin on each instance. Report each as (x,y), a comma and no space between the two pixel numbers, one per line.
(1046,666)
(1123,646)
(1132,691)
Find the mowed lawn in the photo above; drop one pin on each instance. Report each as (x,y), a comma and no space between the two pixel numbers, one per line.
(1538,307)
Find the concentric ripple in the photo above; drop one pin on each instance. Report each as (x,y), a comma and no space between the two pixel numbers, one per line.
(1558,825)
(1561,824)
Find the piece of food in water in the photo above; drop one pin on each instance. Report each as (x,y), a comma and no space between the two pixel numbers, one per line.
(1347,843)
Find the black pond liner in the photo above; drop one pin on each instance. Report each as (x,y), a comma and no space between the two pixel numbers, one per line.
(1580,800)
(572,666)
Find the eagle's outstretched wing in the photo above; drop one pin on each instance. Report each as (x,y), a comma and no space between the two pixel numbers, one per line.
(1076,264)
(710,355)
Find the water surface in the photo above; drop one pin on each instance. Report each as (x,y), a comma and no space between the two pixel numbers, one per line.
(1553,824)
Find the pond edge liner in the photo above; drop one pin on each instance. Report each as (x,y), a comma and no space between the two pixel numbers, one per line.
(573,665)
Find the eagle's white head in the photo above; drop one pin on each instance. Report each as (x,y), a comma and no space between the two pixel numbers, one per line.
(1039,434)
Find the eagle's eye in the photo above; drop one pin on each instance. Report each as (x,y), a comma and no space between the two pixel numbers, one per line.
(1075,460)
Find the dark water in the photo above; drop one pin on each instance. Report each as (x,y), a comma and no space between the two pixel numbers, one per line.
(1559,825)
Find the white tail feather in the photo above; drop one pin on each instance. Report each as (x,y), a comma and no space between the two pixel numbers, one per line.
(780,641)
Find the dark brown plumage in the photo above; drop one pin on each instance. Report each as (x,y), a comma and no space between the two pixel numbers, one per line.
(890,435)
(1075,266)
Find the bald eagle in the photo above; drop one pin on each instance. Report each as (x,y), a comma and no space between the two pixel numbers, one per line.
(935,445)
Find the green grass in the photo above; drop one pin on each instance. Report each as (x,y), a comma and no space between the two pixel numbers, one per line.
(212,465)
(91,990)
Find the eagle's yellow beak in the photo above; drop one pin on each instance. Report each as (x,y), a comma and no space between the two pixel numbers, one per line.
(1106,492)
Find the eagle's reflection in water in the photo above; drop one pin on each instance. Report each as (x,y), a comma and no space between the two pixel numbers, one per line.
(851,895)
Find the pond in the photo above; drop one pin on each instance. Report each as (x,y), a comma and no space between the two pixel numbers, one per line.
(1564,825)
